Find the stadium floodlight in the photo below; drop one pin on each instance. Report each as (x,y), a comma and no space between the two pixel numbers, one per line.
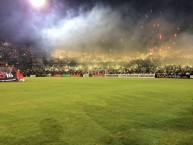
(37,3)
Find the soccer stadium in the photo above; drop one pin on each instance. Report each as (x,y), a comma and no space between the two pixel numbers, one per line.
(100,72)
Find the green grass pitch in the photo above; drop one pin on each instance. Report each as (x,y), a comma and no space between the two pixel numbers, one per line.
(96,111)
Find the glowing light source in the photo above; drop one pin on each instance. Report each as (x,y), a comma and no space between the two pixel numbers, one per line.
(38,3)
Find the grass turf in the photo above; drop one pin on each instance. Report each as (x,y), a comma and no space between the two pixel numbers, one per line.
(96,111)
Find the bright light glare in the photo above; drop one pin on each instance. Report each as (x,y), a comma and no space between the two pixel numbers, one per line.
(38,3)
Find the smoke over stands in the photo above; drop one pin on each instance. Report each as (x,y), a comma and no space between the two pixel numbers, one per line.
(86,26)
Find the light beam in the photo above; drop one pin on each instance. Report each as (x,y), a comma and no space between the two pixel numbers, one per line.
(37,3)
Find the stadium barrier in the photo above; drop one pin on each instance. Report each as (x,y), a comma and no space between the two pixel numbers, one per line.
(112,75)
(66,75)
(85,75)
(77,75)
(57,75)
(98,75)
(132,75)
(175,76)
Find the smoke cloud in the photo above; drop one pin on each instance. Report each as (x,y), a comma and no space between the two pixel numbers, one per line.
(95,29)
(103,29)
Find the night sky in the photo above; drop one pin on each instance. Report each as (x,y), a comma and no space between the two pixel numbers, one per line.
(102,25)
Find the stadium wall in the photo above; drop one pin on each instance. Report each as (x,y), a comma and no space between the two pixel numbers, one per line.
(132,75)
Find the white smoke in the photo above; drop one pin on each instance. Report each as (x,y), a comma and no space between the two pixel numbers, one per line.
(100,28)
(89,30)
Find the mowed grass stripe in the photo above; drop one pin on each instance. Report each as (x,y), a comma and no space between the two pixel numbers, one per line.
(96,111)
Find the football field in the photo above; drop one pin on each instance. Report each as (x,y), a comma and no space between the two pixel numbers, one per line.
(96,111)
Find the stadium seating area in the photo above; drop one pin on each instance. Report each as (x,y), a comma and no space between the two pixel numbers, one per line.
(34,61)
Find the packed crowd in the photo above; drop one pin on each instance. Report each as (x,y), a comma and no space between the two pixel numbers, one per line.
(33,61)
